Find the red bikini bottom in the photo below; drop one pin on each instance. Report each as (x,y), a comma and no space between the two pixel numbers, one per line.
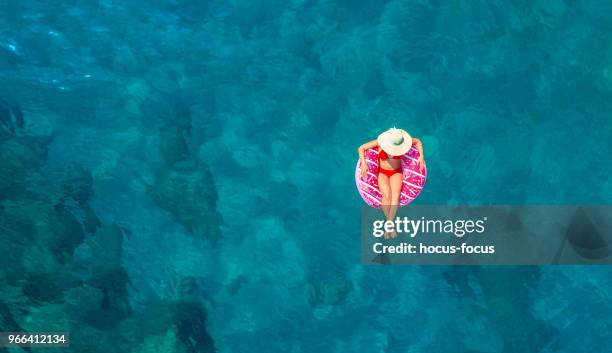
(390,172)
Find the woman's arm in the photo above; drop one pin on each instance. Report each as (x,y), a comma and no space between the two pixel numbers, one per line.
(361,150)
(419,146)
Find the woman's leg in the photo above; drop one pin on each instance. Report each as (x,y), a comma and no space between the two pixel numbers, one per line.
(395,183)
(385,190)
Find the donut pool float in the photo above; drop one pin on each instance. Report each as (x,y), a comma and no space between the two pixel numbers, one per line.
(412,183)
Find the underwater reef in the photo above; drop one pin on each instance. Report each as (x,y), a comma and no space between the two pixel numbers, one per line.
(177,176)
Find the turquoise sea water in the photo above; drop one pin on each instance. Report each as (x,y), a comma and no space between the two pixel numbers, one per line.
(177,176)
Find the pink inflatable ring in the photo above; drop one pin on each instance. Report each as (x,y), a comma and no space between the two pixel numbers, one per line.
(412,184)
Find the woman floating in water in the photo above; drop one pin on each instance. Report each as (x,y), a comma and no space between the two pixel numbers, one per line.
(391,146)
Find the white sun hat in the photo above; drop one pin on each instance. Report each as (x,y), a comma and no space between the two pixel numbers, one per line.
(395,142)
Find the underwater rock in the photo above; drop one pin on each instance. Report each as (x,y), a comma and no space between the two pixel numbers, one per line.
(47,242)
(172,144)
(506,315)
(180,324)
(182,101)
(5,114)
(236,284)
(586,239)
(507,306)
(14,242)
(90,220)
(106,248)
(174,132)
(382,259)
(329,292)
(164,80)
(138,90)
(113,283)
(187,191)
(47,316)
(127,62)
(82,299)
(7,320)
(205,124)
(77,185)
(66,214)
(188,288)
(11,119)
(57,231)
(190,320)
(164,342)
(67,237)
(179,287)
(18,156)
(513,222)
(20,160)
(45,286)
(323,111)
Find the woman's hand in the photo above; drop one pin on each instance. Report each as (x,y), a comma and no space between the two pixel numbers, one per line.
(419,146)
(364,168)
(421,164)
(361,151)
